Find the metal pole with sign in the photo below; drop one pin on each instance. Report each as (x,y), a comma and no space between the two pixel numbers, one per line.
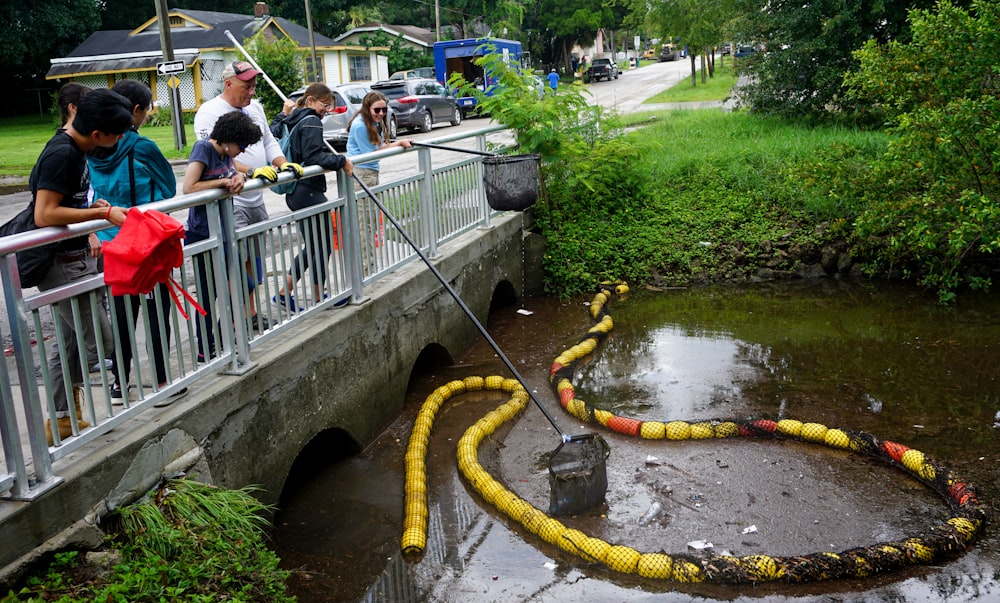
(169,67)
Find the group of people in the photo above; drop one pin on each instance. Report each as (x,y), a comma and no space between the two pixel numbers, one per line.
(98,166)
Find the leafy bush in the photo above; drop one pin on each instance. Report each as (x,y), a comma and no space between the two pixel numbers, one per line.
(281,60)
(545,123)
(184,542)
(935,206)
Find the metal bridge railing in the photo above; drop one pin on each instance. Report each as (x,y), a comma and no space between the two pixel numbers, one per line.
(231,274)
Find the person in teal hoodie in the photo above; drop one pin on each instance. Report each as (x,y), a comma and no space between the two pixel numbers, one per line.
(135,172)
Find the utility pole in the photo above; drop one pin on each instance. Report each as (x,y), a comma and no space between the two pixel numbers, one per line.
(312,43)
(437,20)
(176,115)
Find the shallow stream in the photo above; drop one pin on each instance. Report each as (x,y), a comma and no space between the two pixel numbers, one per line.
(879,357)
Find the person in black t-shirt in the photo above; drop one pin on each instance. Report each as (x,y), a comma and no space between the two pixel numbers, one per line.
(56,181)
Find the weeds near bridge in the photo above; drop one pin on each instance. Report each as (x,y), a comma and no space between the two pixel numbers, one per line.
(699,196)
(184,542)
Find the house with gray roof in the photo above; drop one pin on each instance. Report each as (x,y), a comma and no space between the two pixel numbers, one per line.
(418,38)
(199,38)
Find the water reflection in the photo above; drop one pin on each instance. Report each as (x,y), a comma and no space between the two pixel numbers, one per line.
(877,357)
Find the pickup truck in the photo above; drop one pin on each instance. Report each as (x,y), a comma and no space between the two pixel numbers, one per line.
(602,69)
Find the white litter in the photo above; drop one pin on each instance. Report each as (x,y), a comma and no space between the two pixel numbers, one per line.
(550,566)
(700,545)
(750,530)
(652,460)
(524,312)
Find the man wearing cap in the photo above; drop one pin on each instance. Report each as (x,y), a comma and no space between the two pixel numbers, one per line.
(260,160)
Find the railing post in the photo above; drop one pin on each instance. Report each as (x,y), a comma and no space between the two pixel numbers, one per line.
(227,269)
(428,209)
(484,207)
(21,342)
(352,237)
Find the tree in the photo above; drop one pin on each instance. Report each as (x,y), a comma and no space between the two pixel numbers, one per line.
(400,57)
(699,23)
(938,200)
(35,33)
(281,60)
(807,49)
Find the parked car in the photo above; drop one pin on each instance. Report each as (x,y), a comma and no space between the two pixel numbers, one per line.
(419,103)
(427,72)
(727,48)
(744,51)
(347,99)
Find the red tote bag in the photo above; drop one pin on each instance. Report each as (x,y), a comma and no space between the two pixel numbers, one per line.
(145,252)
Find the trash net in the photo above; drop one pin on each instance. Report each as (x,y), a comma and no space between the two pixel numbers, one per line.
(578,474)
(511,181)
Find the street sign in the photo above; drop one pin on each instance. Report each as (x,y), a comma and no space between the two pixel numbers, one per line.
(173,82)
(170,67)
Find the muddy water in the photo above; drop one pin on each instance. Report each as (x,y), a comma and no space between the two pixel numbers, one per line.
(882,358)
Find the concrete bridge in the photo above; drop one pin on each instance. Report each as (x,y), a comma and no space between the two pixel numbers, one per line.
(335,374)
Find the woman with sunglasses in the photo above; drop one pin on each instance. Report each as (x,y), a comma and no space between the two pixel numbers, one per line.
(368,132)
(305,127)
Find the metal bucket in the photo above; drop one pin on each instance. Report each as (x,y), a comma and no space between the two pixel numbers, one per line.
(511,181)
(578,474)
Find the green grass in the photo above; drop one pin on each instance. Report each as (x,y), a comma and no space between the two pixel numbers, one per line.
(717,88)
(22,139)
(699,196)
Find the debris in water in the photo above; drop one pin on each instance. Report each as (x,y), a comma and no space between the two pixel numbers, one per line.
(654,510)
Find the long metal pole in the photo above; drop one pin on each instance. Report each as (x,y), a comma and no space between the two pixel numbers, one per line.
(251,60)
(266,78)
(482,330)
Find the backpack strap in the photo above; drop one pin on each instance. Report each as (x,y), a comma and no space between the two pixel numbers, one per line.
(131,173)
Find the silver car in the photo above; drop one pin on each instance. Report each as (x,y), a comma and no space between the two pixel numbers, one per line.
(347,99)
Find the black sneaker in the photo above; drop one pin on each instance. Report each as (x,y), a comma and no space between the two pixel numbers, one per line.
(117,397)
(260,323)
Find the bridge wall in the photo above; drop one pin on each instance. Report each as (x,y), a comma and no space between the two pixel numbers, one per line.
(346,368)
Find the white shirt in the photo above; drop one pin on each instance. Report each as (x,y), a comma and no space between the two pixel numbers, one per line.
(256,155)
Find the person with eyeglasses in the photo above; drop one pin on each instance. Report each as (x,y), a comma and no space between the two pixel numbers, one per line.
(212,164)
(368,132)
(305,127)
(262,159)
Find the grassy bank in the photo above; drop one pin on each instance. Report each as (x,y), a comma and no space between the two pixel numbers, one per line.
(697,196)
(717,88)
(22,140)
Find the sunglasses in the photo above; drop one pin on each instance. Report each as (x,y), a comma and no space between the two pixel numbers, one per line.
(380,110)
